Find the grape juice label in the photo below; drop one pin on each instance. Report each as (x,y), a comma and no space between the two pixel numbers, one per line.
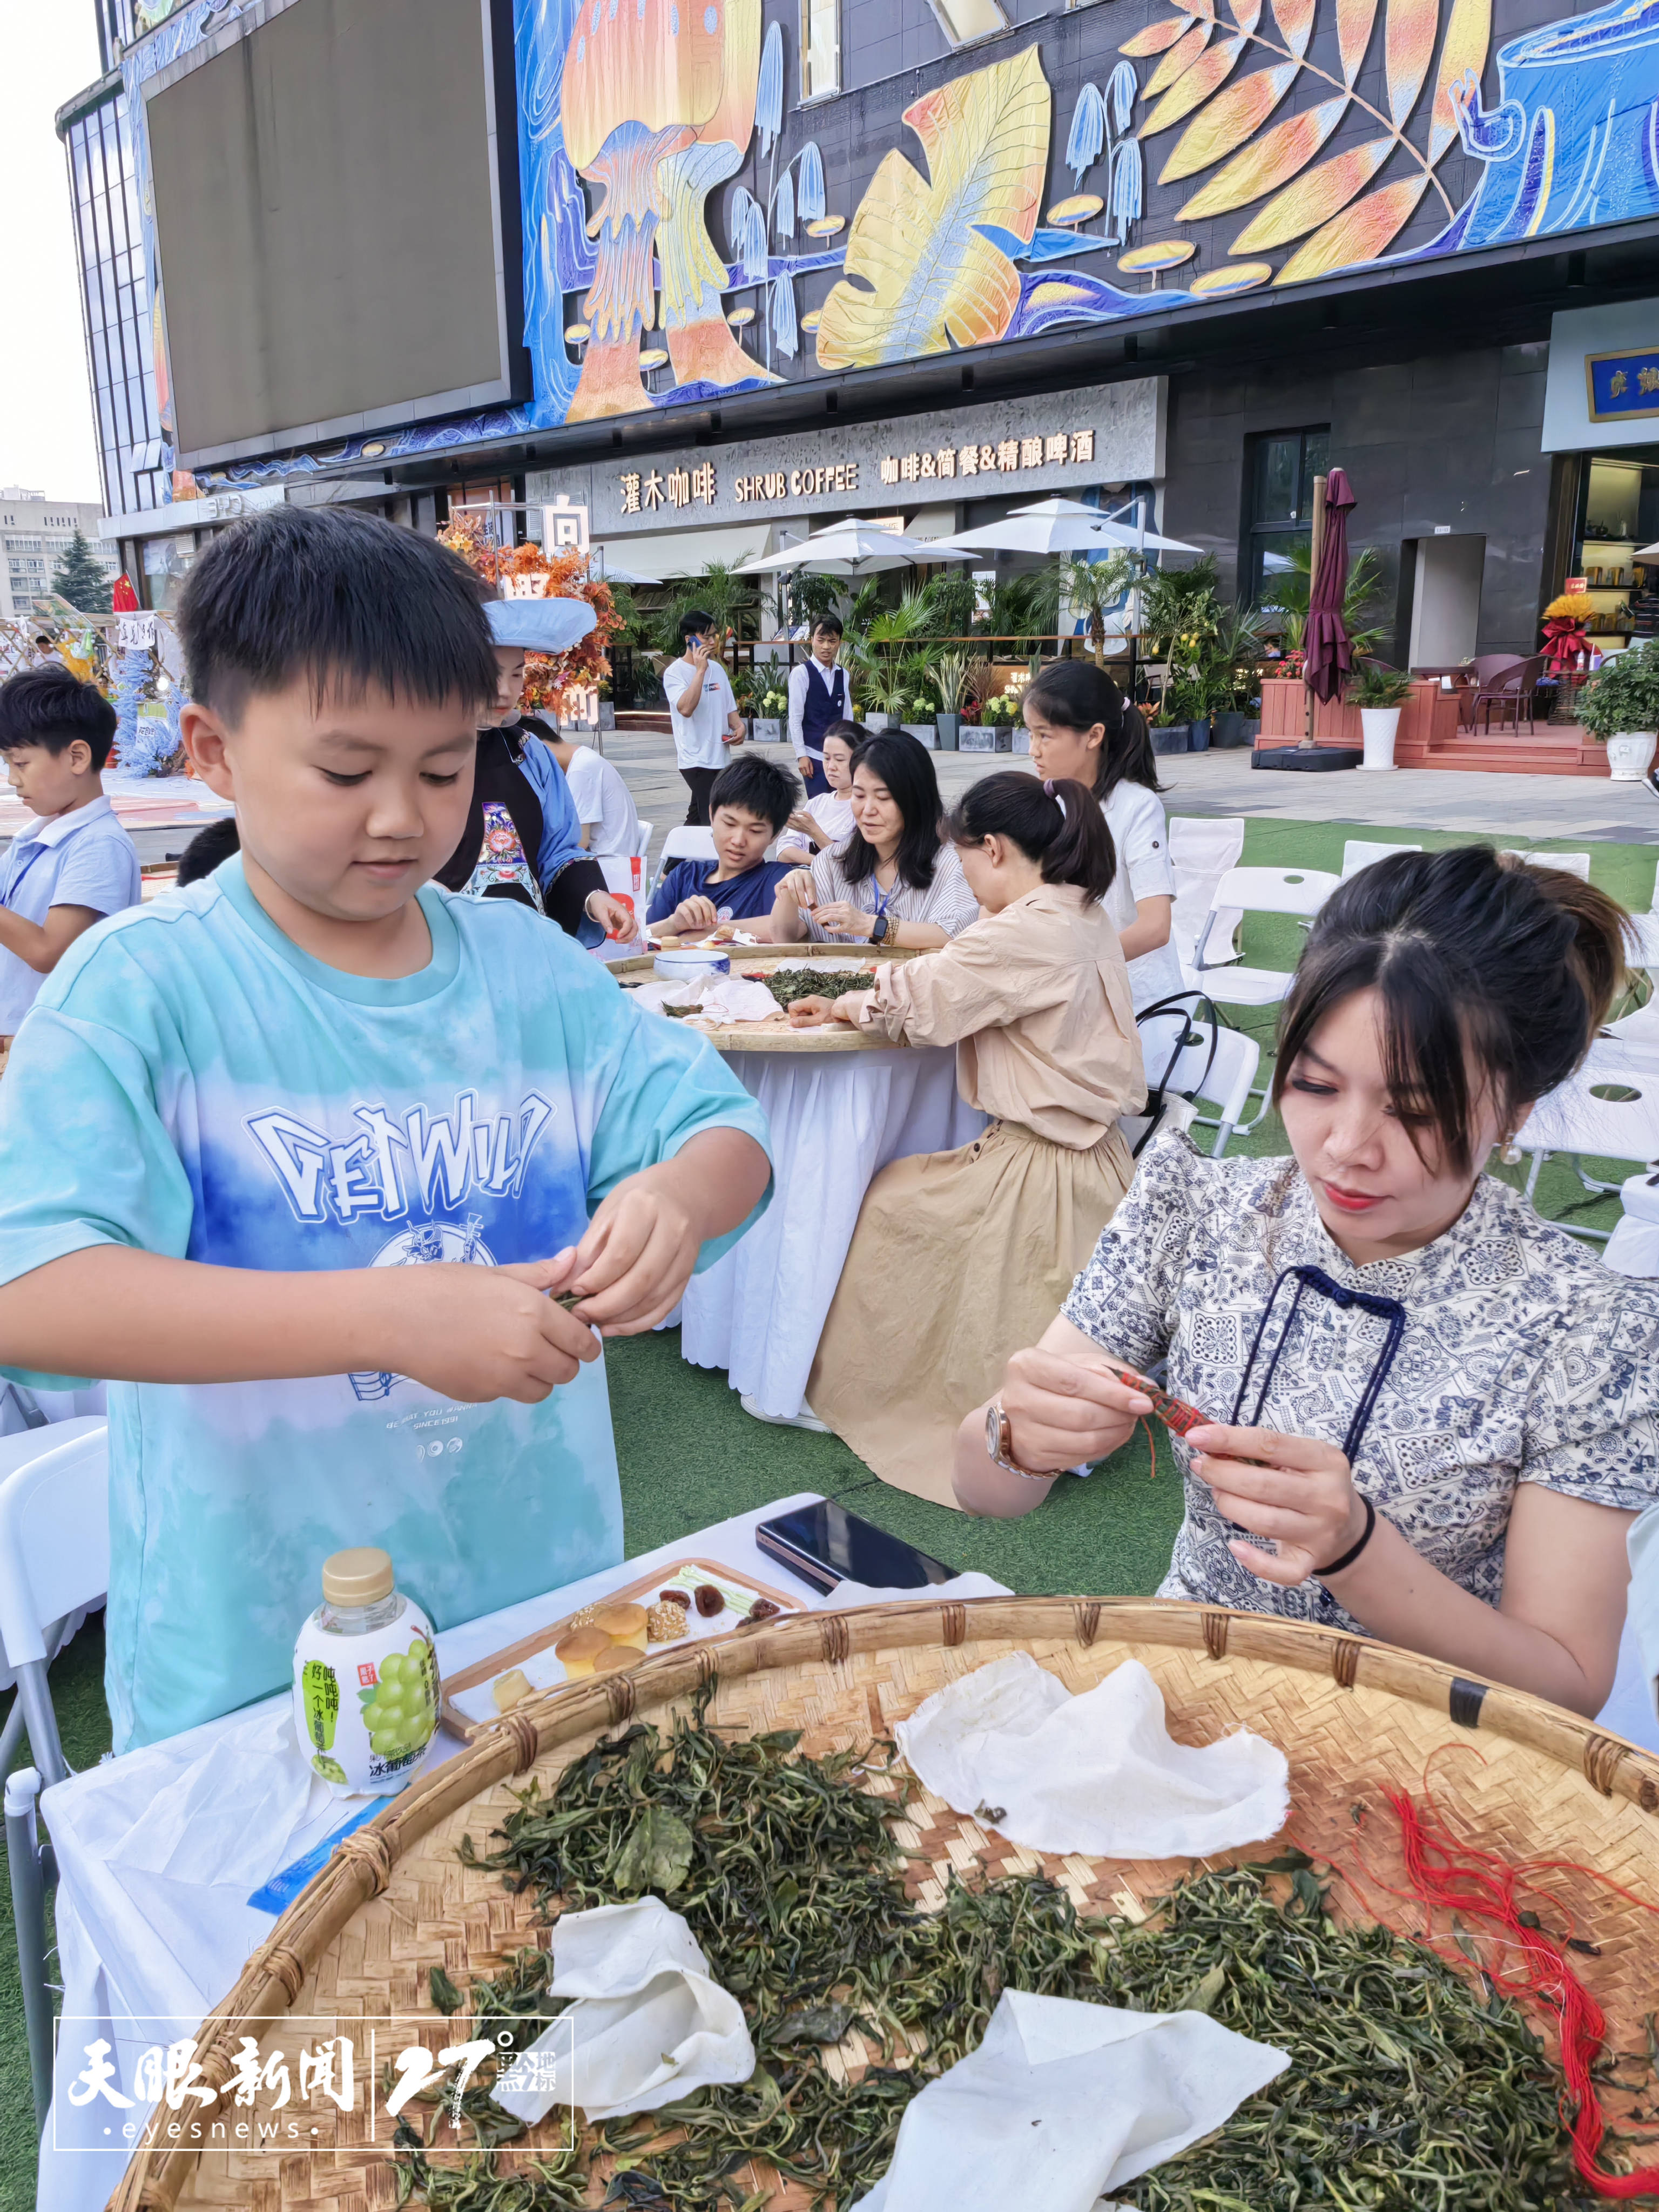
(366,1707)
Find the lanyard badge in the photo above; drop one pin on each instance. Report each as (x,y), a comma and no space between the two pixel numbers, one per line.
(1323,1285)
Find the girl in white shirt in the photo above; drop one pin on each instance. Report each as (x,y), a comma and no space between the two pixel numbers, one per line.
(827,819)
(1082,726)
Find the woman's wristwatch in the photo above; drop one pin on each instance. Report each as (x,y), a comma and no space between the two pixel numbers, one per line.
(879,929)
(999,1444)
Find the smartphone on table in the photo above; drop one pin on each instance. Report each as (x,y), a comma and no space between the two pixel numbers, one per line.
(824,1543)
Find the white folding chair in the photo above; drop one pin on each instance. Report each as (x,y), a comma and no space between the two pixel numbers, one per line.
(684,844)
(1608,1108)
(642,841)
(1203,848)
(1259,890)
(1211,1062)
(1357,854)
(54,1562)
(1576,863)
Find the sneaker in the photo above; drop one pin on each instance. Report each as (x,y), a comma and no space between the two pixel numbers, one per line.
(806,1419)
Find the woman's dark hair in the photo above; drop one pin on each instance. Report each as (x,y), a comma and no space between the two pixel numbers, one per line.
(906,767)
(1477,956)
(850,733)
(1057,824)
(1076,695)
(760,786)
(51,707)
(694,622)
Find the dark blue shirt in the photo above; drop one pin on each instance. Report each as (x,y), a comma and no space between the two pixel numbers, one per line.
(749,893)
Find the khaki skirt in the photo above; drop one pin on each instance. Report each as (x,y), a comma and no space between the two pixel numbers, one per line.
(959,1261)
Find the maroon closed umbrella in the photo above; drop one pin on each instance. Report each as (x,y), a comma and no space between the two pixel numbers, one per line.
(1327,656)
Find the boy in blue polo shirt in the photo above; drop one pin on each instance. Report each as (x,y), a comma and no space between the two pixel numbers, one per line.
(74,863)
(292,1156)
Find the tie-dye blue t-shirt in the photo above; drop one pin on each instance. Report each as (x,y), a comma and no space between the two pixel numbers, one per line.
(191,1083)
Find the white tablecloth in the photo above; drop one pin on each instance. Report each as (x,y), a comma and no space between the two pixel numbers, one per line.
(143,1937)
(836,1119)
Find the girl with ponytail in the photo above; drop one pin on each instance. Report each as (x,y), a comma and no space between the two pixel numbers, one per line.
(1080,725)
(1430,1416)
(960,1257)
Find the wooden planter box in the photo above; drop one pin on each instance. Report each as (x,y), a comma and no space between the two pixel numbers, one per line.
(1428,717)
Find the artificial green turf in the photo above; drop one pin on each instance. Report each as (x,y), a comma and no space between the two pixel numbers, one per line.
(689,1455)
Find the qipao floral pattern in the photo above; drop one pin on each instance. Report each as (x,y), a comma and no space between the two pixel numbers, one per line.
(1524,1360)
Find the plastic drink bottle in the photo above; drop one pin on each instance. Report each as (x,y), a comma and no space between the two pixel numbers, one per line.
(365,1679)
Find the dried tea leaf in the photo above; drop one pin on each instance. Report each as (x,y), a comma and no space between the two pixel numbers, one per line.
(814,2024)
(445,1995)
(657,1853)
(1201,1997)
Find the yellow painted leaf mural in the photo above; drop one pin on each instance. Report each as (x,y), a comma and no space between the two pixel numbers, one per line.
(1315,198)
(1179,59)
(1247,14)
(926,277)
(1359,234)
(1156,39)
(1295,19)
(1267,162)
(1468,33)
(1227,121)
(1409,34)
(1354,20)
(1207,74)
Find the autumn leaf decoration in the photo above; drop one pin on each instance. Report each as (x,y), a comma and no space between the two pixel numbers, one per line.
(1332,206)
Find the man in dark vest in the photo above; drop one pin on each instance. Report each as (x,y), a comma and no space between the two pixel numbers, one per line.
(819,696)
(522,839)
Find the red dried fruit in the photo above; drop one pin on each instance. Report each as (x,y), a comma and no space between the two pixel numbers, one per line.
(762,1609)
(708,1600)
(674,1597)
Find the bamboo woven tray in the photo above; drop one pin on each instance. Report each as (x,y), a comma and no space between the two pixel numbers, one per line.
(1511,1773)
(775,1034)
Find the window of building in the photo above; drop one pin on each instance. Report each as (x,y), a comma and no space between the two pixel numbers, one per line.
(1282,471)
(964,21)
(115,298)
(820,46)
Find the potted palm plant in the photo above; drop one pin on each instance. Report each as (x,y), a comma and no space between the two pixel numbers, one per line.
(950,674)
(1094,589)
(1619,706)
(1379,692)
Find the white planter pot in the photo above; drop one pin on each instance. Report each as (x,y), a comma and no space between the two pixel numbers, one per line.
(767,732)
(923,730)
(1630,752)
(1380,724)
(874,722)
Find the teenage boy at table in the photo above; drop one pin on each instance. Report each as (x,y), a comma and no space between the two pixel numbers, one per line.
(702,710)
(749,806)
(72,863)
(251,1133)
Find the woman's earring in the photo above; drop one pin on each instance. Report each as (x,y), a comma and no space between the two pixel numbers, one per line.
(1511,1154)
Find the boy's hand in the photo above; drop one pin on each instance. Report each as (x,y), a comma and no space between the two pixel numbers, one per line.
(694,913)
(634,1262)
(797,887)
(480,1332)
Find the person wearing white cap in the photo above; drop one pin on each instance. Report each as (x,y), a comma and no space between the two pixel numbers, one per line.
(523,840)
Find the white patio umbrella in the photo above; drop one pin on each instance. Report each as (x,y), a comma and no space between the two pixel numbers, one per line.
(1062,526)
(855,548)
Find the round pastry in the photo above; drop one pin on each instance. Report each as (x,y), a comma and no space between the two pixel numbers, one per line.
(620,1659)
(510,1689)
(578,1651)
(623,1624)
(667,1624)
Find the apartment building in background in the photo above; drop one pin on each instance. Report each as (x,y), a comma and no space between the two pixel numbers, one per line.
(35,535)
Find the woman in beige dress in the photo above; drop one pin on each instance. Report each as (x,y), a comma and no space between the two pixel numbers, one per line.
(959,1257)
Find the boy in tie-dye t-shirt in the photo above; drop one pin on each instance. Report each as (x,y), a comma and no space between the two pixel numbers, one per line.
(293,1156)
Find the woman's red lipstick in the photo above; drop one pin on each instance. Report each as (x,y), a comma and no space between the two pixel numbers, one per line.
(1352,1201)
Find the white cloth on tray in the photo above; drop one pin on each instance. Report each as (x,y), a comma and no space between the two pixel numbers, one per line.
(1063,2101)
(836,1119)
(648,2023)
(1097,1773)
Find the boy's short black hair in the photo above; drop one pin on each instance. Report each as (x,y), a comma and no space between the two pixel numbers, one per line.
(348,600)
(760,786)
(49,706)
(694,622)
(830,623)
(207,848)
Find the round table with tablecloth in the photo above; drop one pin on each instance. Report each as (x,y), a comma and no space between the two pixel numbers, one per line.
(840,1107)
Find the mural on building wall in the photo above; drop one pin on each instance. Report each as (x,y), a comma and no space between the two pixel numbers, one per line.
(676,207)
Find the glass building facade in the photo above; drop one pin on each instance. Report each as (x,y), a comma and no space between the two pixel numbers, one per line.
(115,304)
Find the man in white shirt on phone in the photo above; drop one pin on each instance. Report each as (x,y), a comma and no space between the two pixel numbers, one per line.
(704,713)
